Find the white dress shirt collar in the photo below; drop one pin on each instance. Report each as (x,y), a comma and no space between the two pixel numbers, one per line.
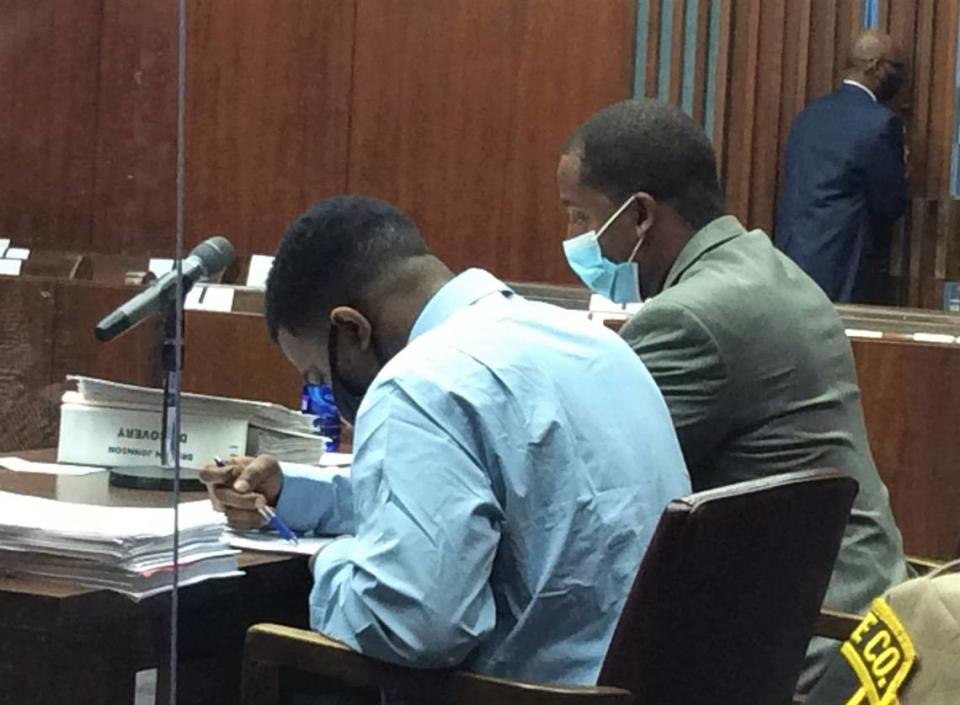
(851,82)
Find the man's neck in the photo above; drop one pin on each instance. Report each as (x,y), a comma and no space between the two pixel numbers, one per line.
(398,304)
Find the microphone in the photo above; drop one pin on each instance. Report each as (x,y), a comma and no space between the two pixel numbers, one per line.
(208,258)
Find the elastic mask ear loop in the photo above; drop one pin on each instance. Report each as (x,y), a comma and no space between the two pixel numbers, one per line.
(616,214)
(637,248)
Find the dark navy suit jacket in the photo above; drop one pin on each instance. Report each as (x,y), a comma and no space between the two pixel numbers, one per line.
(844,182)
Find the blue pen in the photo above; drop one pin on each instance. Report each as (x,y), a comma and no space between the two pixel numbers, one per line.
(273,521)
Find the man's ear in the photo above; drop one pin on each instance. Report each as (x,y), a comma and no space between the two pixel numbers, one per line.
(646,212)
(352,325)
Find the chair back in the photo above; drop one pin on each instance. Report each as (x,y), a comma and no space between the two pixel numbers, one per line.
(725,601)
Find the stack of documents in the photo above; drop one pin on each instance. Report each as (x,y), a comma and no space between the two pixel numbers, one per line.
(110,423)
(126,549)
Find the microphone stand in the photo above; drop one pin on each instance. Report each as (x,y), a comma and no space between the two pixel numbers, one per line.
(161,477)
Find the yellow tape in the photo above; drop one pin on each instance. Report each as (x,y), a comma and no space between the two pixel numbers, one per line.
(880,654)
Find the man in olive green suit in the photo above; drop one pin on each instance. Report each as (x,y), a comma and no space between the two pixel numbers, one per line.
(748,352)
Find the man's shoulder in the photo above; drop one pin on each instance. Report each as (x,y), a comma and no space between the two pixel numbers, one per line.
(730,291)
(837,109)
(498,338)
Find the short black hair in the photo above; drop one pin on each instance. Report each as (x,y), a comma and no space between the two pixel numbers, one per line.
(333,255)
(647,145)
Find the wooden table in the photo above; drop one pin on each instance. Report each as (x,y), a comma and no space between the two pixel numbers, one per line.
(64,644)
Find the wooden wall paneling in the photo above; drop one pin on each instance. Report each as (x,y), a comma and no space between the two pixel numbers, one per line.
(26,339)
(724,84)
(765,148)
(9,58)
(266,115)
(943,98)
(883,16)
(460,111)
(132,357)
(326,41)
(701,67)
(902,26)
(742,117)
(914,439)
(823,48)
(134,206)
(651,80)
(796,72)
(532,224)
(677,51)
(922,222)
(49,61)
(230,354)
(922,69)
(849,25)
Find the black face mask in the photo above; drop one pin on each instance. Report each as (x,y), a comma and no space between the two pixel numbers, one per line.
(347,399)
(888,87)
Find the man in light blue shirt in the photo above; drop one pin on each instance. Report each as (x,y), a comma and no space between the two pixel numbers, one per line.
(511,459)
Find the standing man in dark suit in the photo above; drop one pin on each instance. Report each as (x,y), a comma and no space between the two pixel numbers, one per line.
(845,179)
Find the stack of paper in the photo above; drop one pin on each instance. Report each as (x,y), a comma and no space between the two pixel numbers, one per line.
(127,549)
(269,428)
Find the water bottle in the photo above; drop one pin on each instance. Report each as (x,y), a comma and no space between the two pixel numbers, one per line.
(317,400)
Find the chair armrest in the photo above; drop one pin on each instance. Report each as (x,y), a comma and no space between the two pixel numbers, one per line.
(834,624)
(270,647)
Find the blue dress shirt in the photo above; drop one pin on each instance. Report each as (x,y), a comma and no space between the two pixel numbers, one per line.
(511,464)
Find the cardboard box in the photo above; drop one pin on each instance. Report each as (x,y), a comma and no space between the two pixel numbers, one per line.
(111,436)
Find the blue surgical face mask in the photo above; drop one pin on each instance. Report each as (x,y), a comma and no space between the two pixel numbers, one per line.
(618,281)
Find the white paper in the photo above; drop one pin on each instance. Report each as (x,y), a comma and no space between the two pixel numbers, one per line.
(933,338)
(340,460)
(4,244)
(21,465)
(210,298)
(259,270)
(160,266)
(21,253)
(863,333)
(10,267)
(271,543)
(191,302)
(601,304)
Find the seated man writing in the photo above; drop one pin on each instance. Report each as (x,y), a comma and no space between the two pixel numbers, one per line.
(504,486)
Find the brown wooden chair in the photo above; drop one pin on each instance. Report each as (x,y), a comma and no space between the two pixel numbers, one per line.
(720,612)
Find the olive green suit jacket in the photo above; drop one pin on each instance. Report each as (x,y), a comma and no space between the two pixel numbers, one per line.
(757,371)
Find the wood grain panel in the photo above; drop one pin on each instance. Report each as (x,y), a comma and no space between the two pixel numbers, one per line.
(677,51)
(231,354)
(883,16)
(652,65)
(132,357)
(914,441)
(701,68)
(902,26)
(49,65)
(460,111)
(795,58)
(26,338)
(823,48)
(849,26)
(765,147)
(742,118)
(724,83)
(267,93)
(134,204)
(943,98)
